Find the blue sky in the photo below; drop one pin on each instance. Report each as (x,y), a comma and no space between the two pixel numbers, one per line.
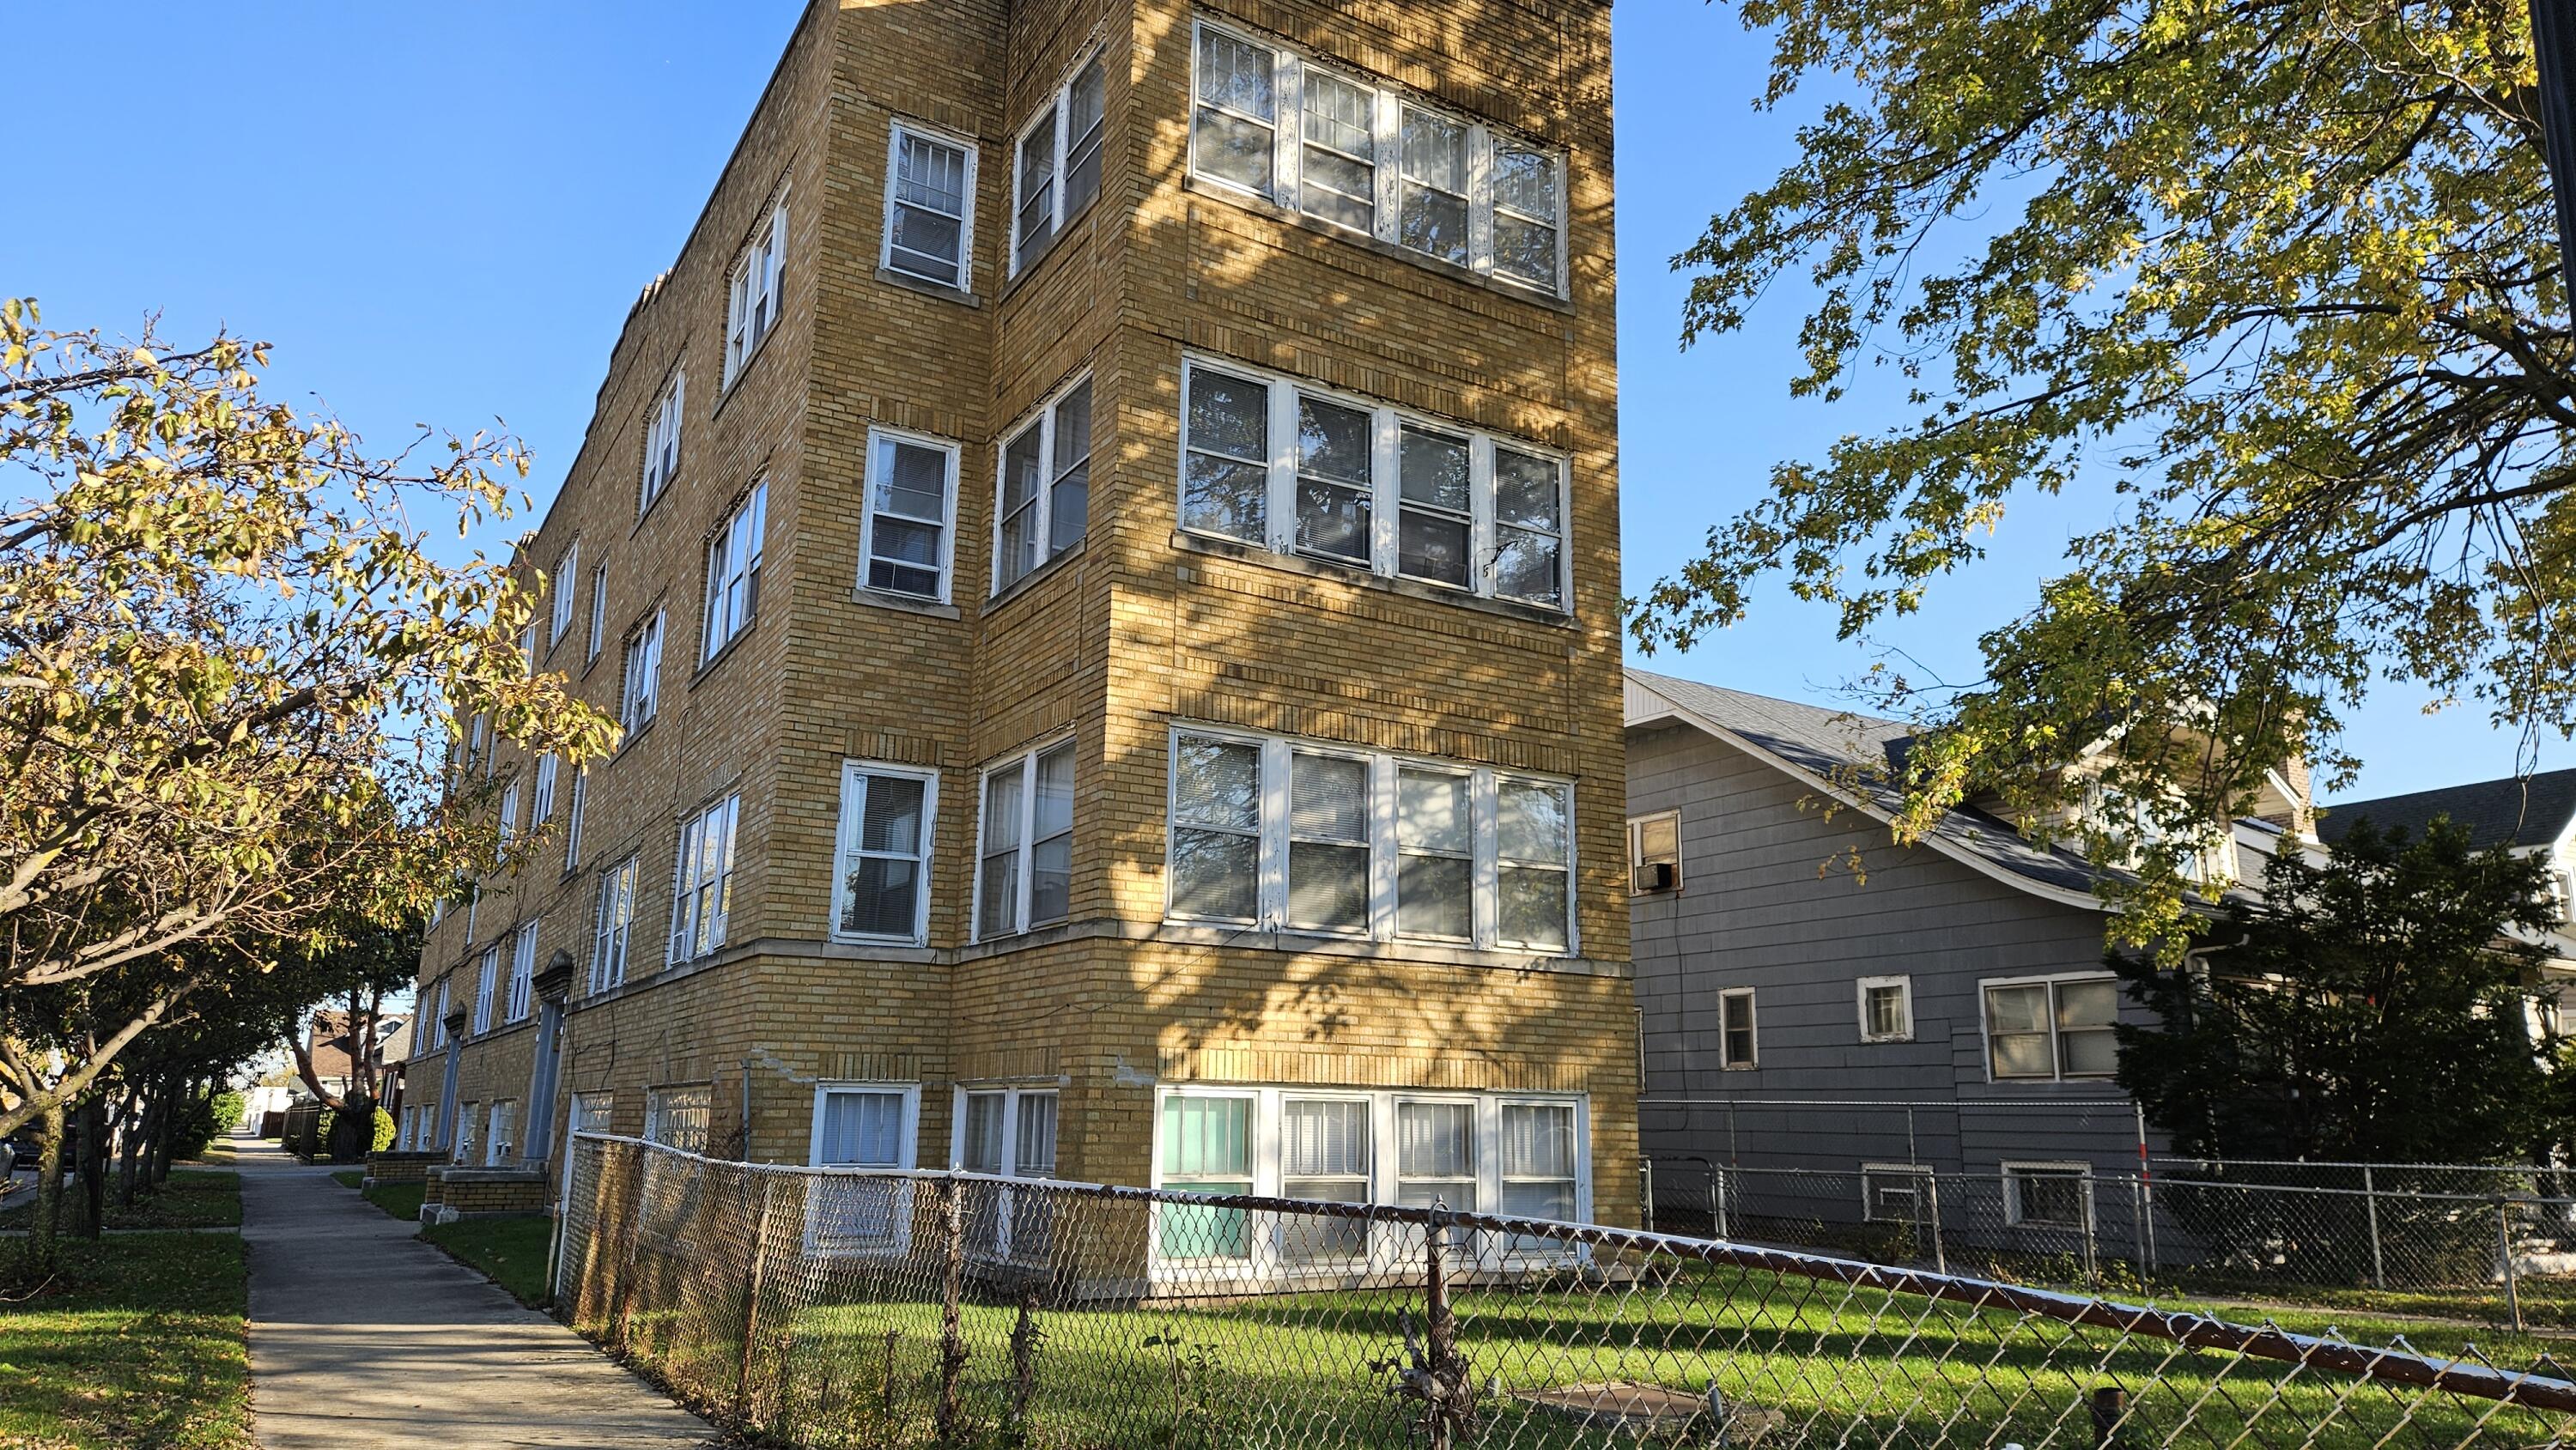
(441,213)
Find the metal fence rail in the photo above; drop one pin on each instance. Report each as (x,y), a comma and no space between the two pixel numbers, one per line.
(847,1308)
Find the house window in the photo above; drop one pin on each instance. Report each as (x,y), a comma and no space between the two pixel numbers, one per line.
(509,812)
(1327,1151)
(1008,1132)
(1539,1153)
(487,978)
(1895,1193)
(572,817)
(662,442)
(733,571)
(1284,466)
(613,925)
(1025,873)
(930,206)
(2048,1195)
(1655,853)
(1269,121)
(466,1120)
(1043,500)
(882,890)
(1887,1009)
(678,1117)
(1207,1148)
(478,741)
(1058,170)
(598,612)
(1739,1044)
(438,1019)
(528,646)
(2054,1029)
(1435,1155)
(565,580)
(702,892)
(867,1126)
(503,1139)
(541,806)
(640,695)
(753,292)
(911,514)
(523,974)
(1310,838)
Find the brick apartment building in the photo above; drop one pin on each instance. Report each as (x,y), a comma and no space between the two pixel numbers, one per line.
(1105,544)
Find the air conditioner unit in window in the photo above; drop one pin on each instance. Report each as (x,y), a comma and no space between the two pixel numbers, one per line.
(1655,876)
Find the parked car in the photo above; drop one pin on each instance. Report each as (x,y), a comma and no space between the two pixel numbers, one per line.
(21,1151)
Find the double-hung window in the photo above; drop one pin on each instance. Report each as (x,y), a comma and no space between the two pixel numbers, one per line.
(541,804)
(1654,853)
(1307,837)
(565,581)
(662,440)
(640,694)
(1043,500)
(753,292)
(1271,122)
(1327,1146)
(1886,1009)
(1739,1043)
(911,523)
(2053,1030)
(1009,1133)
(733,571)
(1057,168)
(466,1120)
(881,893)
(1286,466)
(613,925)
(930,206)
(486,978)
(679,1117)
(572,817)
(702,891)
(1024,875)
(868,1126)
(523,974)
(1207,1148)
(509,812)
(438,1019)
(598,611)
(503,1139)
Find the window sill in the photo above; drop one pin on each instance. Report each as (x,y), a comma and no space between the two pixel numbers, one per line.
(1028,266)
(1031,579)
(1170,933)
(723,652)
(635,735)
(928,288)
(1352,574)
(905,604)
(1263,206)
(726,388)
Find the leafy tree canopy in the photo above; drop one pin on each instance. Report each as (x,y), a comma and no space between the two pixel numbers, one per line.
(2378,1007)
(2278,277)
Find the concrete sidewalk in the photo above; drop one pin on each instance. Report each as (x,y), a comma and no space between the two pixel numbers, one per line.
(364,1338)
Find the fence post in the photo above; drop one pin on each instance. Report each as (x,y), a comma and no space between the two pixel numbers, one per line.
(952,1293)
(1940,1261)
(2370,1208)
(1646,1186)
(2110,1405)
(2504,1247)
(1446,1390)
(751,1301)
(2092,1250)
(1717,1201)
(2138,1220)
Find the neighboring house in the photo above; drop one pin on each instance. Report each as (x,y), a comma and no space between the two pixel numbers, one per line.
(332,1041)
(1815,996)
(1104,544)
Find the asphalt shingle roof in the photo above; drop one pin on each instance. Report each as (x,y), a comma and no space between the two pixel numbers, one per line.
(2521,810)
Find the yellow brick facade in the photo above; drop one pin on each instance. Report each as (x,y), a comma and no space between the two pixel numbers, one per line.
(1137,627)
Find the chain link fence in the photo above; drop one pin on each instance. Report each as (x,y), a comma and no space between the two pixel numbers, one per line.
(831,1308)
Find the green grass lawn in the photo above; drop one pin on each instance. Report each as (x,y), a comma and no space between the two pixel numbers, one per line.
(511,1252)
(402,1200)
(137,1343)
(189,1198)
(348,1177)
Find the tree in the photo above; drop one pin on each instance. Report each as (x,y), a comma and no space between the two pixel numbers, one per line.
(2377,1007)
(229,666)
(2274,280)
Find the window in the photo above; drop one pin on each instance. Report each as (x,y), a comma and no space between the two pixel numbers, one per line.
(1268,121)
(1326,1150)
(882,890)
(478,741)
(677,1117)
(1739,1044)
(1279,465)
(1284,834)
(2048,1195)
(466,1118)
(503,1139)
(911,515)
(509,812)
(1009,1133)
(1025,857)
(487,978)
(1207,1148)
(1061,145)
(930,206)
(868,1126)
(613,925)
(1887,1009)
(565,580)
(523,974)
(733,571)
(528,646)
(662,443)
(703,891)
(598,612)
(640,696)
(1044,497)
(1655,853)
(1435,1155)
(541,807)
(1895,1193)
(752,298)
(438,1019)
(572,817)
(2054,1029)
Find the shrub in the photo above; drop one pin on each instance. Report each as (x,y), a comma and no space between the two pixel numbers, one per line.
(202,1119)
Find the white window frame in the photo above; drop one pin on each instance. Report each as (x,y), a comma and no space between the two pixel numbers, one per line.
(1287,127)
(521,997)
(1056,111)
(541,799)
(1637,861)
(1387,423)
(509,818)
(1921,1177)
(487,980)
(462,1151)
(1025,762)
(1752,1024)
(438,1022)
(1041,505)
(572,817)
(1385,849)
(733,572)
(664,429)
(2015,1170)
(500,1139)
(658,1106)
(2056,1059)
(1007,1209)
(598,612)
(639,687)
(755,289)
(820,1236)
(565,582)
(612,933)
(688,929)
(878,438)
(965,219)
(854,777)
(1905,989)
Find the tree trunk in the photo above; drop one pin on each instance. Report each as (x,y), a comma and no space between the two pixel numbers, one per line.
(93,1166)
(49,1191)
(129,1142)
